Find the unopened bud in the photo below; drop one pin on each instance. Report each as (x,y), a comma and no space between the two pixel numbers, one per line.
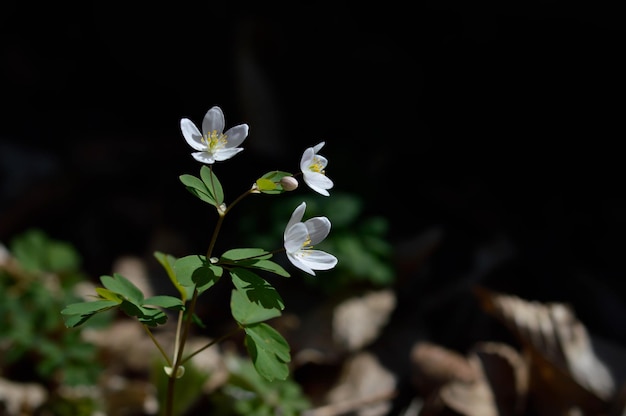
(180,371)
(289,183)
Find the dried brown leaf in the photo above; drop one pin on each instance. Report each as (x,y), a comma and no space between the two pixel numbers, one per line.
(566,373)
(358,321)
(434,365)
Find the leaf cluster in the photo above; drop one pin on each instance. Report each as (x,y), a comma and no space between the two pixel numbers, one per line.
(253,300)
(35,284)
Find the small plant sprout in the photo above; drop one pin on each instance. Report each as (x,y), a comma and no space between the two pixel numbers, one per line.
(253,298)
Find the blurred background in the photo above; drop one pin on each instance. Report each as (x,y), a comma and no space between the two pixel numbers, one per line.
(484,138)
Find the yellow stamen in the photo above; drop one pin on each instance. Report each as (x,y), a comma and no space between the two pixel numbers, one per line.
(316,166)
(214,140)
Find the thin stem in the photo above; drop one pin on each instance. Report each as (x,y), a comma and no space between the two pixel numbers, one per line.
(239,198)
(167,359)
(171,381)
(178,328)
(185,324)
(215,341)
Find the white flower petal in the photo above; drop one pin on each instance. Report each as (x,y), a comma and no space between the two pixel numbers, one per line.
(318,182)
(191,134)
(213,120)
(204,157)
(236,135)
(224,154)
(318,147)
(295,236)
(296,217)
(318,260)
(296,261)
(307,159)
(318,229)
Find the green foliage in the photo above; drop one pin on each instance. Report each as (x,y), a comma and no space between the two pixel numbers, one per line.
(123,293)
(32,291)
(268,350)
(196,272)
(247,393)
(253,302)
(208,188)
(270,182)
(254,258)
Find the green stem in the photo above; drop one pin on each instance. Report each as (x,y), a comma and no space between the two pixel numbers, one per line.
(181,340)
(215,341)
(177,359)
(167,359)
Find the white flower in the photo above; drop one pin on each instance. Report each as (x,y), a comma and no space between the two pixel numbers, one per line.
(312,166)
(213,145)
(300,237)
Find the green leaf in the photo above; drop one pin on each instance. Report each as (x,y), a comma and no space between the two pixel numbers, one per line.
(164,301)
(108,295)
(122,286)
(197,188)
(254,299)
(75,314)
(213,185)
(195,270)
(267,265)
(246,312)
(146,315)
(255,258)
(270,182)
(268,350)
(236,254)
(265,185)
(167,261)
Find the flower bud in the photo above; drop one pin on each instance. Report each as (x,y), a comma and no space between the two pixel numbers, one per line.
(180,371)
(289,183)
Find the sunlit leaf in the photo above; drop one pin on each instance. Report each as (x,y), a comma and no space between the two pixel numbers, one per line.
(164,301)
(121,285)
(195,270)
(266,265)
(167,261)
(268,350)
(245,253)
(270,182)
(257,290)
(108,295)
(197,188)
(75,314)
(247,312)
(213,185)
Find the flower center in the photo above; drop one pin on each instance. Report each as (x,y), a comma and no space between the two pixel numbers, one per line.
(214,141)
(307,243)
(317,166)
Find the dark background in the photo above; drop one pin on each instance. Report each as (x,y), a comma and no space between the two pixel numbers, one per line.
(490,123)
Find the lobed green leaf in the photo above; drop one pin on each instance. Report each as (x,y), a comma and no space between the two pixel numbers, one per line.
(164,301)
(197,188)
(122,286)
(213,185)
(254,299)
(75,314)
(168,261)
(268,350)
(237,254)
(196,271)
